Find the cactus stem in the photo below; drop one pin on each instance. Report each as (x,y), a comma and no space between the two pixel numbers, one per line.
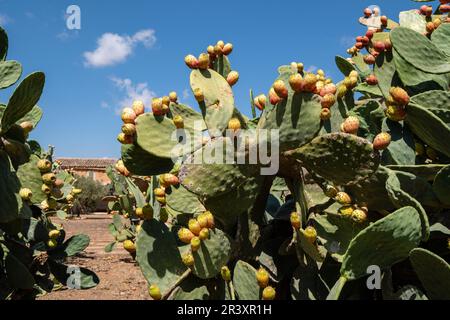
(252,103)
(231,288)
(176,284)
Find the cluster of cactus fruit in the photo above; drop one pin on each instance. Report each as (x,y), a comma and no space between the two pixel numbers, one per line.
(364,177)
(33,249)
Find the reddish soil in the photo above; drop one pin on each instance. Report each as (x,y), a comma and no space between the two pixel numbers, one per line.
(120,277)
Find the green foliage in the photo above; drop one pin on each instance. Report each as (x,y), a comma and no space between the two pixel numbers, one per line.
(92,193)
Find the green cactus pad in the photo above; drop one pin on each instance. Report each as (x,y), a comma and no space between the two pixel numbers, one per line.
(158,255)
(316,252)
(244,281)
(10,72)
(425,171)
(400,198)
(391,240)
(413,47)
(182,200)
(401,150)
(3,44)
(211,180)
(307,284)
(440,38)
(433,272)
(189,115)
(23,100)
(222,66)
(140,162)
(213,254)
(200,293)
(17,273)
(154,135)
(361,66)
(371,116)
(441,185)
(436,101)
(34,116)
(339,157)
(9,191)
(30,177)
(343,65)
(413,77)
(335,232)
(297,118)
(384,70)
(429,128)
(413,20)
(368,90)
(218,106)
(62,273)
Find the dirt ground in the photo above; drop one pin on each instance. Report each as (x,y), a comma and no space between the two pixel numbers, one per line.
(120,277)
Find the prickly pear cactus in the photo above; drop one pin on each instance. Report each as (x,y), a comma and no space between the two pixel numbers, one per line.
(361,178)
(32,190)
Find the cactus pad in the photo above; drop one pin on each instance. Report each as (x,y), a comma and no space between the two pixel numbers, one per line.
(339,157)
(30,177)
(440,38)
(245,283)
(140,162)
(390,239)
(413,47)
(182,200)
(9,191)
(436,101)
(433,272)
(10,72)
(441,185)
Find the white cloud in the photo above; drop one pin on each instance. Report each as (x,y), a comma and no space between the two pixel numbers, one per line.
(139,91)
(4,19)
(113,48)
(186,94)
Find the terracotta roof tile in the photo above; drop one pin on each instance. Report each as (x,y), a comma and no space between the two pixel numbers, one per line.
(74,163)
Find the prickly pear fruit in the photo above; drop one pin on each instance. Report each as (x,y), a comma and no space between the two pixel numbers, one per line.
(234,124)
(202,220)
(195,244)
(273,97)
(359,216)
(227,49)
(343,198)
(268,293)
(372,80)
(147,212)
(295,220)
(194,227)
(382,141)
(204,234)
(120,167)
(395,113)
(52,243)
(185,235)
(25,194)
(191,61)
(46,189)
(369,59)
(325,114)
(328,101)
(280,89)
(129,129)
(203,61)
(309,82)
(159,192)
(220,44)
(262,276)
(54,234)
(188,260)
(300,67)
(211,222)
(225,273)
(178,121)
(169,179)
(128,115)
(233,78)
(49,178)
(346,211)
(125,139)
(384,21)
(351,125)
(154,292)
(296,82)
(311,234)
(341,91)
(399,95)
(367,12)
(379,46)
(138,107)
(198,94)
(329,88)
(162,200)
(44,165)
(173,97)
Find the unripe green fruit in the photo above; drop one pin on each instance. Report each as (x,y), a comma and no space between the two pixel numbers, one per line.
(225,273)
(188,260)
(262,276)
(311,234)
(295,220)
(204,234)
(44,165)
(268,293)
(195,244)
(163,215)
(25,194)
(343,198)
(49,178)
(154,292)
(185,235)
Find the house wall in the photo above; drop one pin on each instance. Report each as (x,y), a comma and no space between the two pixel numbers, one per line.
(98,175)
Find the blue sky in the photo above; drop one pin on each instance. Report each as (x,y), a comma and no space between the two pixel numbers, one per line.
(86,85)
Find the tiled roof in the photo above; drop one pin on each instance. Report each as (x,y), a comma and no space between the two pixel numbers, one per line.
(74,163)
